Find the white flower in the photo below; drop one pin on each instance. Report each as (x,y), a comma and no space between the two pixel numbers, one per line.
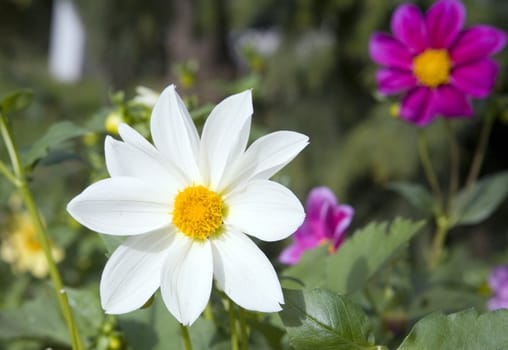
(146,96)
(187,204)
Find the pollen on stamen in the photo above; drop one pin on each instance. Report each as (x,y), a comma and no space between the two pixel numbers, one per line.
(198,212)
(432,67)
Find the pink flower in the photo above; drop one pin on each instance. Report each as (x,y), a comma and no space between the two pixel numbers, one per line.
(498,282)
(436,63)
(326,221)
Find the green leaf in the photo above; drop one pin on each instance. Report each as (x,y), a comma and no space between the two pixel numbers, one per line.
(485,196)
(16,101)
(320,319)
(87,310)
(362,255)
(415,194)
(463,330)
(305,272)
(55,135)
(37,319)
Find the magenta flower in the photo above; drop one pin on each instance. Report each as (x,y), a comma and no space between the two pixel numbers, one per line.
(326,222)
(498,282)
(436,63)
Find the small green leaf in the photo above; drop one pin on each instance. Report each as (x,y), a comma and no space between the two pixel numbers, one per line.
(16,101)
(305,272)
(55,135)
(415,194)
(485,196)
(87,310)
(463,330)
(362,255)
(320,319)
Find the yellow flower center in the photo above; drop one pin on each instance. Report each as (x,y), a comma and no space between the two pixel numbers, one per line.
(432,67)
(198,212)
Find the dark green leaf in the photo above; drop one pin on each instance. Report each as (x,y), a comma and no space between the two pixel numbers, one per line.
(16,101)
(320,319)
(55,135)
(362,255)
(87,310)
(415,194)
(463,330)
(485,196)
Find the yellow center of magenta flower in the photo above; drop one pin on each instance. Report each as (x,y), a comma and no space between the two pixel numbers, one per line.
(198,212)
(432,67)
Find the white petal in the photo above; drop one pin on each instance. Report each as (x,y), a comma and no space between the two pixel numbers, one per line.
(264,209)
(245,273)
(225,136)
(174,133)
(186,281)
(125,159)
(266,156)
(132,273)
(121,206)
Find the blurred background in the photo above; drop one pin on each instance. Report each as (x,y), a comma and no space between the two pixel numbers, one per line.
(307,63)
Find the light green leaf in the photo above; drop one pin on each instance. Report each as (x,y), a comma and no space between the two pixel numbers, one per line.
(305,272)
(415,194)
(320,319)
(87,310)
(37,319)
(362,255)
(485,196)
(16,101)
(55,135)
(465,330)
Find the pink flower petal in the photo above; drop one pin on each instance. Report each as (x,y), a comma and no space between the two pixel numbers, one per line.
(451,102)
(476,78)
(445,20)
(393,81)
(386,50)
(340,220)
(292,254)
(477,42)
(408,26)
(418,106)
(319,199)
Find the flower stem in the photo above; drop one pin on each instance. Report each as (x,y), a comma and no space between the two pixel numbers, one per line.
(8,174)
(454,165)
(186,337)
(244,333)
(25,193)
(232,324)
(423,151)
(480,152)
(442,227)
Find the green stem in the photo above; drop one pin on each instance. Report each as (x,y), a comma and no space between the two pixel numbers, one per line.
(423,151)
(42,234)
(186,337)
(480,152)
(244,332)
(232,325)
(438,241)
(454,165)
(8,174)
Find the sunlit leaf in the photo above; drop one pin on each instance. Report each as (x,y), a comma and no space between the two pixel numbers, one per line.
(320,319)
(465,330)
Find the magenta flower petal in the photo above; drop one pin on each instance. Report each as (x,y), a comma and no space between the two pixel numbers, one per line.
(318,202)
(451,102)
(445,20)
(340,220)
(466,77)
(292,254)
(393,81)
(387,51)
(418,106)
(477,42)
(498,277)
(408,26)
(496,303)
